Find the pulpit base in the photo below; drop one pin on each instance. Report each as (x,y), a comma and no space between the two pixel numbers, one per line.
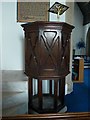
(63,110)
(48,105)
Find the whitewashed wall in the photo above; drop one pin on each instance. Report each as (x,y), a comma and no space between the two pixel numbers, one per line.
(12,38)
(69,18)
(0,59)
(79,29)
(0,35)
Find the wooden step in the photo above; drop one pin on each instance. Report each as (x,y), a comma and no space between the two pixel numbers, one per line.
(14,81)
(14,86)
(12,99)
(14,92)
(16,110)
(13,75)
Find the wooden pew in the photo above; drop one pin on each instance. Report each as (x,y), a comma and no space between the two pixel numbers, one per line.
(63,116)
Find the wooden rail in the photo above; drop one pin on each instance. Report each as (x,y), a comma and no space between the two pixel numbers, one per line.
(63,116)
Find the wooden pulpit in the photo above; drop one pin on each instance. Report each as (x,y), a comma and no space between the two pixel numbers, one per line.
(47,57)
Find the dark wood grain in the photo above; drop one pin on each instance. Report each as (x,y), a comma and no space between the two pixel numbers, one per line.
(64,116)
(47,57)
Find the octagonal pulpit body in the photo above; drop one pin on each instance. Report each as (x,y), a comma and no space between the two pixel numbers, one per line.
(47,57)
(47,49)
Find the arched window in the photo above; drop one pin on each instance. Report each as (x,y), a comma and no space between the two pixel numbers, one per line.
(88,43)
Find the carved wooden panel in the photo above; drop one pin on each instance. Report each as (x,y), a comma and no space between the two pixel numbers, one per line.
(47,49)
(65,52)
(31,58)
